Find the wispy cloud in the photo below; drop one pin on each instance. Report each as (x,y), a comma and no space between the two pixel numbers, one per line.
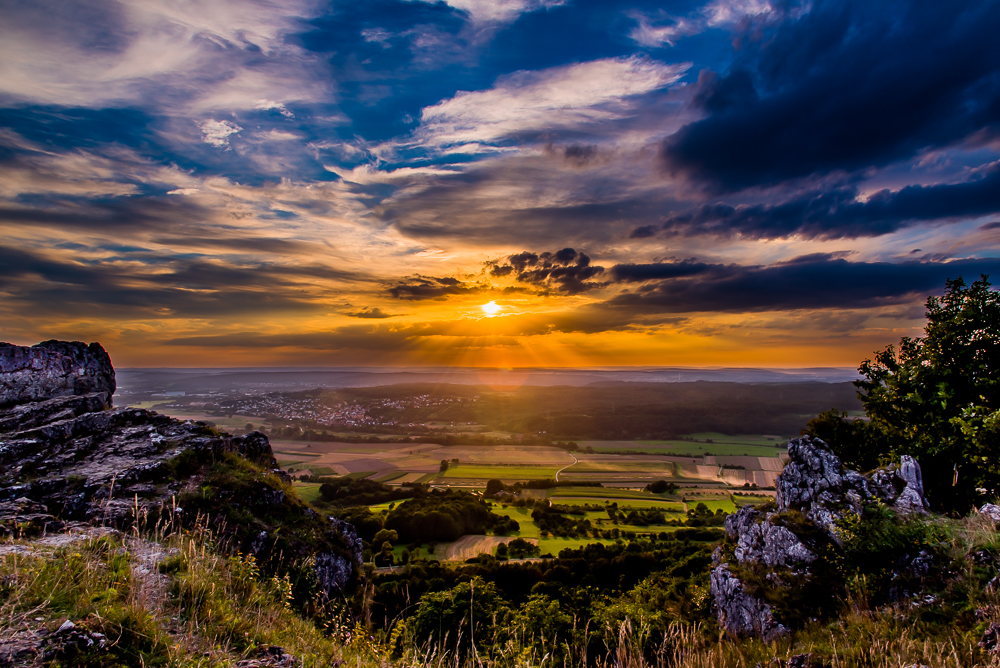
(561,98)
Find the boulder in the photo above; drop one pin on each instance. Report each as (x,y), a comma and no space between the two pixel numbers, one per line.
(54,369)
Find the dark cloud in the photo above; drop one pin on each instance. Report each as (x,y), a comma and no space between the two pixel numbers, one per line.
(818,281)
(839,213)
(429,287)
(567,270)
(157,287)
(631,273)
(848,85)
(374,314)
(239,245)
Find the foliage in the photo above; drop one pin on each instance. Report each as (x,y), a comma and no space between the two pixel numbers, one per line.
(454,618)
(441,516)
(936,398)
(347,491)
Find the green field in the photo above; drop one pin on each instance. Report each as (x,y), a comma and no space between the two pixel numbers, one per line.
(502,472)
(676,448)
(613,493)
(713,504)
(754,445)
(751,500)
(307,491)
(740,439)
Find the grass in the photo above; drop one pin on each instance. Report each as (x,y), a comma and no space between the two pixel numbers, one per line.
(662,469)
(322,470)
(307,491)
(476,472)
(713,504)
(742,439)
(209,609)
(610,493)
(205,610)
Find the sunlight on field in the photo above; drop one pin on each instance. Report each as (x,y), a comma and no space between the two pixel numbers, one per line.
(501,472)
(307,491)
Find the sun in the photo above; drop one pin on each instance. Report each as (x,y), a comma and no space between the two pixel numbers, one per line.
(491,309)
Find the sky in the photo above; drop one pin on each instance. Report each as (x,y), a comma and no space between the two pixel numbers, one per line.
(500,183)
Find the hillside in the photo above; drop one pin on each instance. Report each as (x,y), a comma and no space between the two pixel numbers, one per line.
(132,539)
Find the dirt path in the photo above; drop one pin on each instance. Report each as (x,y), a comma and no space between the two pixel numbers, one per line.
(467,547)
(575,461)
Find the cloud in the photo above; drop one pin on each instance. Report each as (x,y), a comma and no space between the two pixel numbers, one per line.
(567,270)
(530,102)
(499,11)
(420,288)
(817,281)
(374,313)
(653,33)
(217,54)
(157,285)
(268,105)
(841,213)
(845,86)
(217,133)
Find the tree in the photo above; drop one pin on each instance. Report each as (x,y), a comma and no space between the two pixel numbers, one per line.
(454,618)
(444,465)
(493,486)
(936,398)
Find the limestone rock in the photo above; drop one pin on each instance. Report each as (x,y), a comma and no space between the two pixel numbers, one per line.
(760,541)
(54,369)
(66,457)
(991,510)
(334,569)
(814,483)
(739,612)
(22,518)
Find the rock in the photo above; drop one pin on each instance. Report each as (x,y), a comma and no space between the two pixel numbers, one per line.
(66,457)
(334,570)
(23,518)
(815,484)
(799,661)
(763,542)
(54,369)
(740,613)
(990,510)
(991,638)
(270,656)
(69,641)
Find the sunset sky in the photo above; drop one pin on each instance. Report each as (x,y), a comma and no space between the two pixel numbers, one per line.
(493,182)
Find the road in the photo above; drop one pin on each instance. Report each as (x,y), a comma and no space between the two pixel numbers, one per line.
(575,461)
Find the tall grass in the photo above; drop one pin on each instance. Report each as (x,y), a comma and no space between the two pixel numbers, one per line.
(178,598)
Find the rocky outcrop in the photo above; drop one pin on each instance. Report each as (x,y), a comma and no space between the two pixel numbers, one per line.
(54,369)
(763,542)
(334,569)
(739,612)
(815,483)
(66,457)
(814,493)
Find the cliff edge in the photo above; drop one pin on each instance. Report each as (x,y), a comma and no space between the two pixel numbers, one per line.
(67,457)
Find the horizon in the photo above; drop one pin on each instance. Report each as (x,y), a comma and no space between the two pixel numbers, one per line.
(569,184)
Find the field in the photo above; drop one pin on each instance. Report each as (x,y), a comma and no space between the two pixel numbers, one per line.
(502,472)
(307,491)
